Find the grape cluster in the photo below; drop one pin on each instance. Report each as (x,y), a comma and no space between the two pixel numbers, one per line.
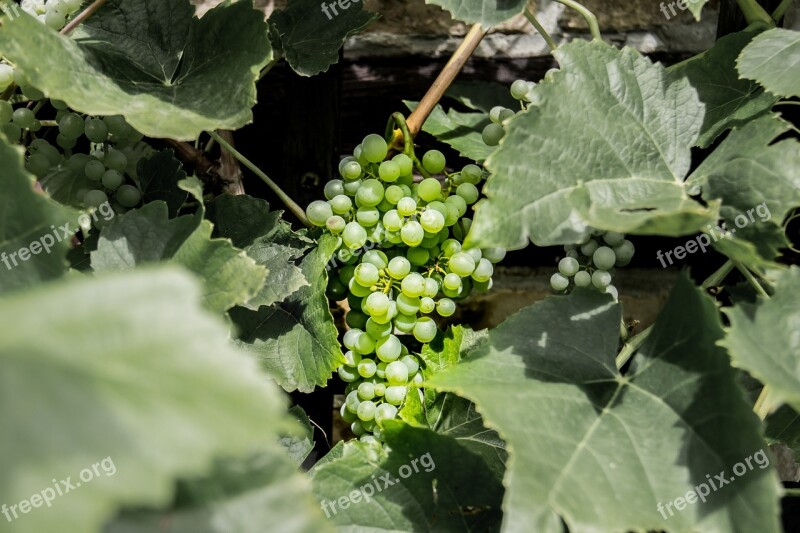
(54,13)
(96,149)
(591,263)
(403,265)
(521,90)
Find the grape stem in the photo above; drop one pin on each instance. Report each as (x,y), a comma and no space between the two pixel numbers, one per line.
(288,202)
(85,14)
(445,78)
(781,10)
(753,12)
(403,135)
(538,25)
(590,18)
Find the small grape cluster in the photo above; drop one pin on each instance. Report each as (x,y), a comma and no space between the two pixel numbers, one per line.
(591,263)
(520,90)
(53,13)
(109,142)
(415,270)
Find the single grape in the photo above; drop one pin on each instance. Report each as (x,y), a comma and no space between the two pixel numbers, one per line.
(366,410)
(568,267)
(412,233)
(38,165)
(366,391)
(397,373)
(370,193)
(433,161)
(374,148)
(357,428)
(462,264)
(376,303)
(341,204)
(55,19)
(494,114)
(451,247)
(399,267)
(395,394)
(492,134)
(318,212)
(418,256)
(406,207)
(589,248)
(116,160)
(424,331)
(351,170)
(112,180)
(350,337)
(6,112)
(354,235)
(388,349)
(405,323)
(483,271)
(71,126)
(351,187)
(348,374)
(519,89)
(413,285)
(468,192)
(624,252)
(613,238)
(347,415)
(583,279)
(431,288)
(429,189)
(386,411)
(506,114)
(94,170)
(65,142)
(559,282)
(12,131)
(366,274)
(375,330)
(389,171)
(6,76)
(432,221)
(24,118)
(452,282)
(96,130)
(405,163)
(601,279)
(95,198)
(333,189)
(472,174)
(367,368)
(335,224)
(445,307)
(411,362)
(393,194)
(368,216)
(604,258)
(495,255)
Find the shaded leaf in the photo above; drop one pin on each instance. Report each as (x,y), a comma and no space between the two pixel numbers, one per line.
(773,60)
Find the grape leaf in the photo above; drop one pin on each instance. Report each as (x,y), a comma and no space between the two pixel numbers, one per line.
(730,101)
(296,340)
(229,276)
(156,392)
(462,131)
(158,176)
(763,339)
(311,34)
(482,96)
(487,12)
(756,179)
(601,451)
(299,446)
(29,221)
(63,186)
(434,484)
(563,167)
(773,60)
(151,61)
(784,426)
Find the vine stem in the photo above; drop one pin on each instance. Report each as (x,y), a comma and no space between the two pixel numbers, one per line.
(543,32)
(590,18)
(85,14)
(781,10)
(291,204)
(445,78)
(753,12)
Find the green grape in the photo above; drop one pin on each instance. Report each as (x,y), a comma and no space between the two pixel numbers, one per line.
(432,221)
(318,212)
(408,305)
(568,267)
(492,134)
(24,118)
(559,282)
(346,415)
(71,126)
(412,233)
(411,362)
(366,410)
(96,130)
(376,330)
(601,279)
(462,264)
(370,193)
(483,271)
(445,307)
(452,282)
(393,194)
(341,204)
(395,394)
(406,207)
(6,112)
(368,216)
(350,338)
(494,114)
(380,389)
(429,189)
(612,238)
(434,162)
(424,331)
(388,349)
(589,248)
(458,203)
(348,374)
(94,198)
(376,303)
(397,373)
(418,256)
(38,165)
(431,288)
(354,235)
(405,323)
(389,171)
(392,221)
(366,274)
(94,170)
(357,289)
(335,224)
(405,163)
(604,258)
(386,411)
(116,160)
(413,285)
(495,255)
(351,401)
(365,344)
(506,114)
(6,76)
(333,189)
(12,131)
(583,279)
(451,247)
(624,252)
(128,196)
(118,126)
(55,19)
(519,89)
(72,5)
(375,257)
(367,368)
(351,187)
(366,391)
(351,170)
(65,142)
(374,148)
(112,180)
(468,192)
(357,428)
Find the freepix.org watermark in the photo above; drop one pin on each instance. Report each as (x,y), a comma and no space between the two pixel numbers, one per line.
(367,491)
(683,5)
(342,5)
(11,10)
(702,241)
(703,490)
(58,234)
(48,495)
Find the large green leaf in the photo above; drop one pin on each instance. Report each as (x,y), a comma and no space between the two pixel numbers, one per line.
(229,276)
(487,12)
(130,374)
(730,101)
(29,222)
(460,130)
(600,450)
(428,482)
(758,183)
(773,60)
(169,73)
(763,339)
(159,176)
(564,167)
(311,34)
(296,340)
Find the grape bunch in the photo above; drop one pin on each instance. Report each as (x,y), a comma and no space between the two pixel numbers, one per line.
(402,267)
(53,13)
(591,263)
(521,90)
(96,150)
